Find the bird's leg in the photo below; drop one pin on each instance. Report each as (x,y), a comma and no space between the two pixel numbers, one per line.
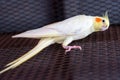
(69,48)
(66,42)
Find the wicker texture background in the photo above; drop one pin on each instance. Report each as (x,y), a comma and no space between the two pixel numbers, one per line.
(21,15)
(99,59)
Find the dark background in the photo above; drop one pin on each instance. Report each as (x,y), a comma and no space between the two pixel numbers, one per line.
(21,15)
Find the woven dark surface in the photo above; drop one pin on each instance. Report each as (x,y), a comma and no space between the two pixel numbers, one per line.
(99,59)
(21,15)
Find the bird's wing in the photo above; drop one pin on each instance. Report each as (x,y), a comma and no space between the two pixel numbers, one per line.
(38,33)
(63,28)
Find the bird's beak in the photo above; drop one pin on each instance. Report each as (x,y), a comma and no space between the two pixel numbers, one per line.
(104,27)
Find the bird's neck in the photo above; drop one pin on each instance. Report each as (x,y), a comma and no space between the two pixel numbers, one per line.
(93,29)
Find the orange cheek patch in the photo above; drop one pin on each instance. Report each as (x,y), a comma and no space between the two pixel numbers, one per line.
(98,19)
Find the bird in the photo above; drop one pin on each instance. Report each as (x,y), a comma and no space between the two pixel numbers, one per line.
(62,32)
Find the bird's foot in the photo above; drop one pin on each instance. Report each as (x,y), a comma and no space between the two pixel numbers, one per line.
(69,48)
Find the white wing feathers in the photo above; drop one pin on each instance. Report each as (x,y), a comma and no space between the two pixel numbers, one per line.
(38,33)
(63,28)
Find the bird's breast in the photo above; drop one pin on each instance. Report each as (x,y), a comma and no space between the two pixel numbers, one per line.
(82,34)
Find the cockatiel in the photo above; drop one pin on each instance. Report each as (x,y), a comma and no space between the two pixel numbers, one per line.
(63,32)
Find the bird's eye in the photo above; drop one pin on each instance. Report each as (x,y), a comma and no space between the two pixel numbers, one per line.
(103,20)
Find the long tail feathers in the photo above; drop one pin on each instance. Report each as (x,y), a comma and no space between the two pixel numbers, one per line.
(40,46)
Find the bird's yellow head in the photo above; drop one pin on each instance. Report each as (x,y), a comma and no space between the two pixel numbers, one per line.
(101,23)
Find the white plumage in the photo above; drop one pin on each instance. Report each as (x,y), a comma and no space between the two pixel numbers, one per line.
(63,32)
(69,27)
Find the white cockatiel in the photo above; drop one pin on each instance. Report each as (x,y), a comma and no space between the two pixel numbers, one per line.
(63,32)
